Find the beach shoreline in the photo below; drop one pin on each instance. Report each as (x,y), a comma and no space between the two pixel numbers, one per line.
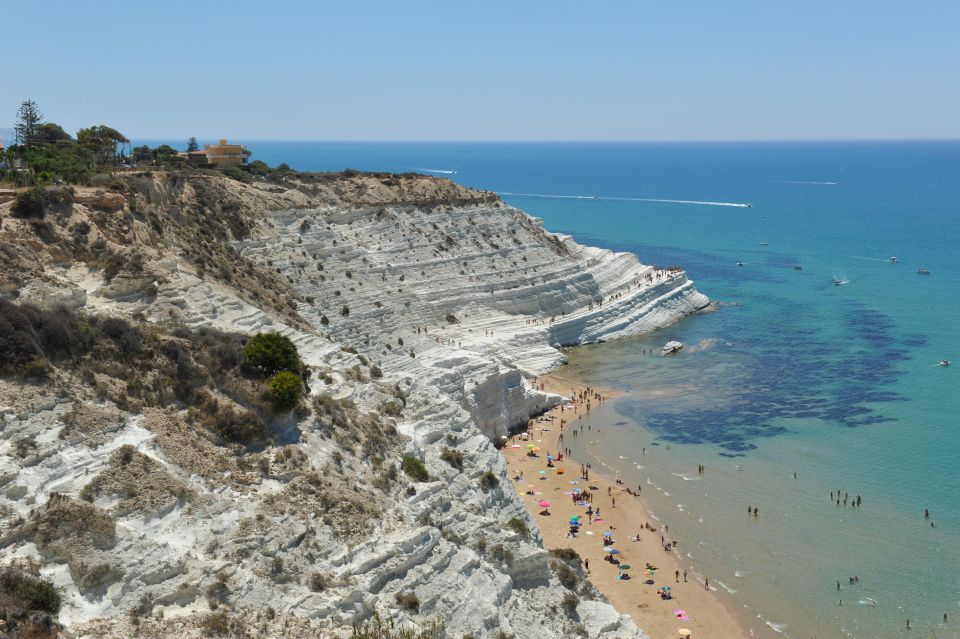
(622,514)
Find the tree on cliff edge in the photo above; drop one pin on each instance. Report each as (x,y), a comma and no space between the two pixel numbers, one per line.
(28,123)
(192,145)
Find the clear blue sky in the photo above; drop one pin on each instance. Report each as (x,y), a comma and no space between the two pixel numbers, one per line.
(489,70)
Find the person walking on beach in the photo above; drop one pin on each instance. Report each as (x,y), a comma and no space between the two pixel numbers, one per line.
(706,583)
(676,574)
(685,581)
(838,584)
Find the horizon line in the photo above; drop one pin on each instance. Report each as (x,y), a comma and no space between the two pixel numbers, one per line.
(564,141)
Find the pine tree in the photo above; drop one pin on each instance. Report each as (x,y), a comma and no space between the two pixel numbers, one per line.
(28,123)
(192,145)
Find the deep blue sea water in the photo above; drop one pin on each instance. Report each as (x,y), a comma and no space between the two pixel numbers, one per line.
(792,374)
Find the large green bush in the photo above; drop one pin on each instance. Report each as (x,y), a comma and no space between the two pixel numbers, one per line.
(30,592)
(285,389)
(38,201)
(266,354)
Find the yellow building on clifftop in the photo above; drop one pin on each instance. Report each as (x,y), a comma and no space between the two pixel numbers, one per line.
(223,154)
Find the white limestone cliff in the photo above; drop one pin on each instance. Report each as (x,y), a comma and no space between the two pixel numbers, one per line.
(459,303)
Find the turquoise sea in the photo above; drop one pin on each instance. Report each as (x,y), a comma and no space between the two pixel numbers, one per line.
(792,374)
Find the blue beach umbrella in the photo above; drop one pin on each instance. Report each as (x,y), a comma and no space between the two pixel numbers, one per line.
(613,551)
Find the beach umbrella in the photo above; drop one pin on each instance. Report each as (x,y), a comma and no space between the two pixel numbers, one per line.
(577,491)
(607,533)
(683,632)
(515,446)
(550,458)
(679,613)
(530,446)
(543,504)
(542,472)
(624,566)
(612,551)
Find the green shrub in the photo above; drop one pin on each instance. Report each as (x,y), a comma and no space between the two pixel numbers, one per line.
(30,592)
(285,390)
(519,526)
(414,468)
(408,601)
(377,628)
(216,624)
(390,408)
(452,457)
(37,202)
(566,554)
(488,481)
(317,582)
(266,354)
(30,204)
(236,173)
(241,427)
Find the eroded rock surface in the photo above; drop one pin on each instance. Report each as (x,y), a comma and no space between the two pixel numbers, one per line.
(423,310)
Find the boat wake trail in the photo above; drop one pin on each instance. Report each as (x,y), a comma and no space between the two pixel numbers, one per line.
(441,171)
(740,205)
(805,182)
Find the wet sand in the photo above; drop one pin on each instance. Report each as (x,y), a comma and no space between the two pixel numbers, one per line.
(706,615)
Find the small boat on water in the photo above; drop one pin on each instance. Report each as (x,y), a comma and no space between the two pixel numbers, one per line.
(923,271)
(943,362)
(797,267)
(739,263)
(671,348)
(763,244)
(893,259)
(839,282)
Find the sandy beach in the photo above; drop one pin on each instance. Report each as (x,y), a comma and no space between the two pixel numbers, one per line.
(692,606)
